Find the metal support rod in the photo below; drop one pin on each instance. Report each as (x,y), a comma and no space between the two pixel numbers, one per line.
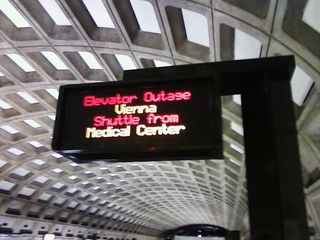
(274,178)
(275,191)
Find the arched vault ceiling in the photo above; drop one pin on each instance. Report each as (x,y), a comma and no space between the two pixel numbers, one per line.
(40,191)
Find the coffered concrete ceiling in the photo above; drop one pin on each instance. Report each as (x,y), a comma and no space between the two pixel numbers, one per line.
(48,43)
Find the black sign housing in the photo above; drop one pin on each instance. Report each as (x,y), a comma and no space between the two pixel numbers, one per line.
(139,120)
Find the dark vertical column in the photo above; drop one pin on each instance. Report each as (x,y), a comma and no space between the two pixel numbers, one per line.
(275,195)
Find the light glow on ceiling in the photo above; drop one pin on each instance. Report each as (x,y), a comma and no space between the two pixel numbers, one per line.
(12,13)
(58,185)
(27,191)
(300,85)
(158,63)
(125,62)
(55,12)
(41,179)
(73,204)
(72,177)
(53,92)
(311,14)
(55,60)
(196,26)
(60,201)
(2,163)
(146,16)
(90,60)
(72,190)
(4,105)
(49,237)
(234,161)
(237,99)
(45,196)
(9,129)
(32,123)
(21,62)
(99,13)
(57,155)
(15,151)
(5,185)
(52,117)
(235,147)
(245,46)
(237,128)
(57,170)
(39,162)
(35,144)
(21,172)
(1,74)
(26,96)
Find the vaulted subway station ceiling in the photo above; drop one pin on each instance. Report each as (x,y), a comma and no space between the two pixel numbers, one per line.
(48,43)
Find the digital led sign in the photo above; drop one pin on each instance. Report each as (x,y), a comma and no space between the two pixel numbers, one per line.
(138,121)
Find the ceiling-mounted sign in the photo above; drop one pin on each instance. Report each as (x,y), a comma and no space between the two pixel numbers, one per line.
(150,120)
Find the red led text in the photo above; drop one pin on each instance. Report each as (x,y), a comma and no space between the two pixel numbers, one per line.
(90,101)
(140,118)
(163,96)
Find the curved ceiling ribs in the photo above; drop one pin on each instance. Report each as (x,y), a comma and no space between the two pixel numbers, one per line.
(44,46)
